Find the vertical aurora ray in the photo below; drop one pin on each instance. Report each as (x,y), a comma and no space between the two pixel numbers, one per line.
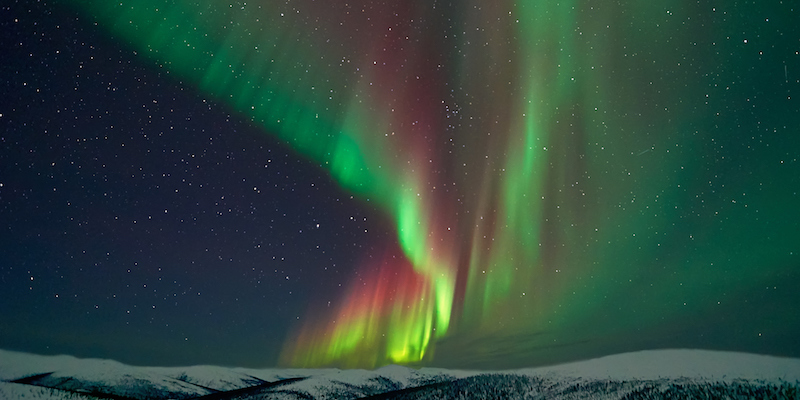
(538,163)
(510,263)
(354,336)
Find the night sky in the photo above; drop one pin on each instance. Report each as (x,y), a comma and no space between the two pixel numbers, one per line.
(462,184)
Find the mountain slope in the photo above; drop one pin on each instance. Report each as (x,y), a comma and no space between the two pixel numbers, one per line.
(647,374)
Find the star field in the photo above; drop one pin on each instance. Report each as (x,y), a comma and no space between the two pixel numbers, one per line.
(137,213)
(454,183)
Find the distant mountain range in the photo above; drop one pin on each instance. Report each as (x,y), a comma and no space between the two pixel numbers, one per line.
(675,374)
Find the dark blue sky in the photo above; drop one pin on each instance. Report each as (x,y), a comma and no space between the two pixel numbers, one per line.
(144,220)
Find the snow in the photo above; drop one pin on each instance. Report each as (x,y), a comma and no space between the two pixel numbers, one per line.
(322,384)
(14,365)
(15,391)
(659,367)
(650,364)
(679,363)
(275,374)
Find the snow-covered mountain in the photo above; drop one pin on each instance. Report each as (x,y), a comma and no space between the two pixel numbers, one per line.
(646,374)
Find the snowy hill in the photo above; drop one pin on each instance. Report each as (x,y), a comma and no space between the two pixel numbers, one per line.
(647,374)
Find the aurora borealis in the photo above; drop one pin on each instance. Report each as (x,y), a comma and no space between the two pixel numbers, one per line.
(559,179)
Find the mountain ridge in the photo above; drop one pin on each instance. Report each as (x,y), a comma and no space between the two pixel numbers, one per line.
(644,374)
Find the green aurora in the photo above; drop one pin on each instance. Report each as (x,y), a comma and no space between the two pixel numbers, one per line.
(566,179)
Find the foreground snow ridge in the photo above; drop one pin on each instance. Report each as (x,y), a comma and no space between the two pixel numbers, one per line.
(652,374)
